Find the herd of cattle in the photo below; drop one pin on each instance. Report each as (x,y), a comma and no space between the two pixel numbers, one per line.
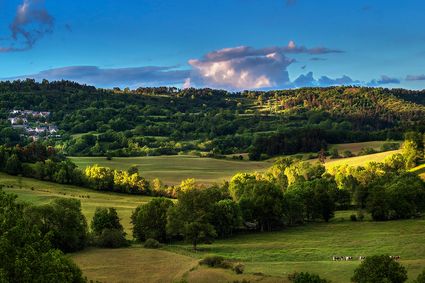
(348,258)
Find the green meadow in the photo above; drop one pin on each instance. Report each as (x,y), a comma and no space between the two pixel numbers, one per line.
(268,257)
(40,192)
(173,169)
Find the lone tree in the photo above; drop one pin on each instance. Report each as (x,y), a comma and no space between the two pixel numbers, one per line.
(379,269)
(107,229)
(191,218)
(149,220)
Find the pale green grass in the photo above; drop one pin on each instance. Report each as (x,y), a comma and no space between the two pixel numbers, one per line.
(359,160)
(137,264)
(40,192)
(173,169)
(133,265)
(311,247)
(304,248)
(420,170)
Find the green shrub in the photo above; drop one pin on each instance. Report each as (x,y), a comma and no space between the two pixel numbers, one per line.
(360,215)
(111,238)
(367,150)
(212,261)
(347,153)
(305,277)
(216,262)
(421,278)
(151,244)
(379,269)
(238,268)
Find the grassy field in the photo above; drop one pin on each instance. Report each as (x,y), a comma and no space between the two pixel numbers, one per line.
(310,247)
(359,160)
(275,255)
(355,148)
(173,169)
(39,192)
(305,248)
(420,170)
(137,264)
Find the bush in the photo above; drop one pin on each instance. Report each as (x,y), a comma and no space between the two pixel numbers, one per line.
(111,238)
(216,262)
(367,151)
(347,153)
(379,269)
(360,215)
(305,277)
(421,278)
(151,244)
(212,261)
(353,217)
(239,268)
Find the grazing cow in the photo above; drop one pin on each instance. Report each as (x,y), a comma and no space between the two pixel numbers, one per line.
(362,257)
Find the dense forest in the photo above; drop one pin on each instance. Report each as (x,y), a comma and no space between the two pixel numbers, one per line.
(155,121)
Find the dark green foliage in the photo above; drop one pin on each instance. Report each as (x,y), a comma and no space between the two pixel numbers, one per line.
(149,220)
(193,215)
(262,202)
(199,232)
(216,262)
(107,229)
(379,269)
(62,222)
(128,123)
(25,254)
(227,217)
(105,218)
(421,278)
(305,277)
(111,238)
(317,198)
(397,197)
(13,165)
(212,261)
(151,244)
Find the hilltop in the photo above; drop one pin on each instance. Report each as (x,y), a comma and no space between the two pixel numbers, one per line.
(158,121)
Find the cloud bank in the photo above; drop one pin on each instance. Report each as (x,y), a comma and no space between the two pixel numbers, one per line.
(236,68)
(245,67)
(415,78)
(32,21)
(132,77)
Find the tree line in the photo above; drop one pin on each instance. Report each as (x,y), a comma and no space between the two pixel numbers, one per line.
(156,121)
(289,193)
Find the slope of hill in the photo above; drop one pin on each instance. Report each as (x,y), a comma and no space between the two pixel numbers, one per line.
(158,121)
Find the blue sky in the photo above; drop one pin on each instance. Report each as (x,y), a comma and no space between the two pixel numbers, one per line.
(232,44)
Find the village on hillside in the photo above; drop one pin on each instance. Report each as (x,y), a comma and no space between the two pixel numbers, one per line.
(35,124)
